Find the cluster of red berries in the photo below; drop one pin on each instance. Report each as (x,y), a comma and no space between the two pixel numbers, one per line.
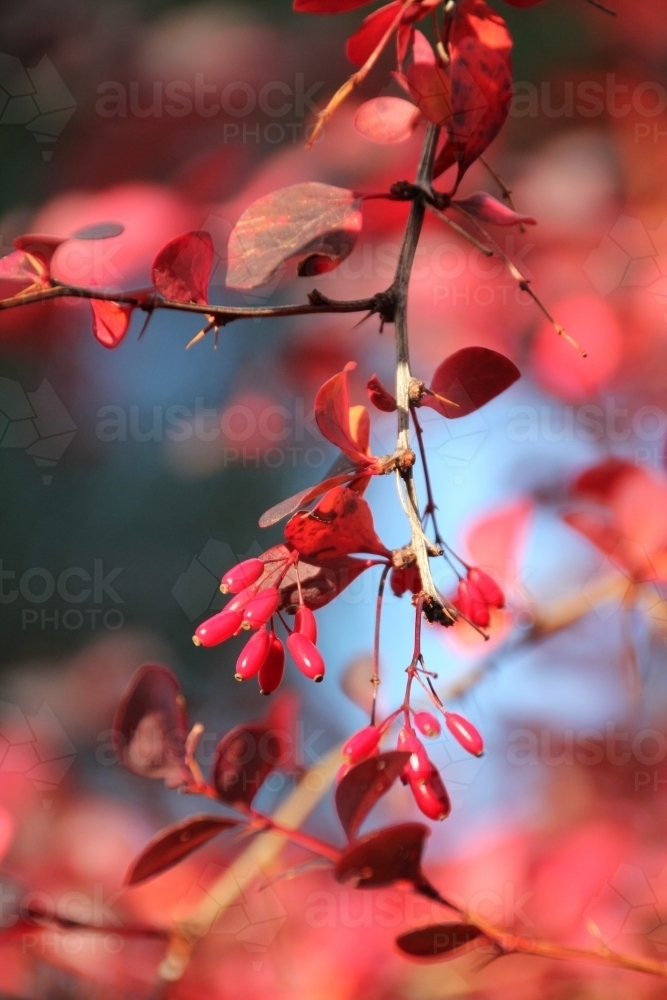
(420,773)
(477,593)
(253,608)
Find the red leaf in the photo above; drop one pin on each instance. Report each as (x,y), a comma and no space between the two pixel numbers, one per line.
(19,272)
(438,940)
(373,29)
(244,758)
(174,843)
(468,379)
(379,395)
(488,209)
(182,268)
(288,506)
(339,525)
(385,856)
(303,220)
(429,84)
(320,583)
(327,6)
(496,540)
(39,246)
(481,83)
(111,321)
(150,726)
(332,413)
(364,784)
(387,119)
(598,482)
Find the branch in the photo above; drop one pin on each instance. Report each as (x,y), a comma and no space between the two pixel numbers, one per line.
(444,612)
(148,301)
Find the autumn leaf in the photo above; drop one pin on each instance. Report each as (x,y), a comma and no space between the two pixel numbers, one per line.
(243,760)
(111,321)
(438,941)
(429,83)
(481,84)
(182,268)
(364,785)
(468,379)
(175,843)
(387,119)
(315,222)
(340,524)
(488,209)
(150,726)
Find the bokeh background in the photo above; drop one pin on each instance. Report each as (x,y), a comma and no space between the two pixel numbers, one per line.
(132,478)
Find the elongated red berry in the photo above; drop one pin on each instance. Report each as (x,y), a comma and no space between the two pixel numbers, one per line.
(362,744)
(218,628)
(470,603)
(239,601)
(242,576)
(307,658)
(304,622)
(253,655)
(431,795)
(427,724)
(465,733)
(419,765)
(487,588)
(259,609)
(272,670)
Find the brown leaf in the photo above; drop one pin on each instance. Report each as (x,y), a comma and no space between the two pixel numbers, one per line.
(243,760)
(364,785)
(442,941)
(309,220)
(174,843)
(385,856)
(150,726)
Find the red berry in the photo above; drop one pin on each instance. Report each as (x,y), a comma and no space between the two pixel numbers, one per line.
(218,628)
(259,609)
(427,724)
(241,576)
(239,601)
(307,658)
(271,671)
(471,604)
(362,744)
(253,655)
(487,588)
(465,733)
(419,766)
(431,795)
(304,622)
